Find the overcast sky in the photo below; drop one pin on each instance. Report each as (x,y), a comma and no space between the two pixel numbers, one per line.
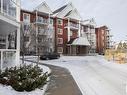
(112,13)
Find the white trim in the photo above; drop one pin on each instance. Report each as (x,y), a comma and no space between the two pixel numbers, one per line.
(68,29)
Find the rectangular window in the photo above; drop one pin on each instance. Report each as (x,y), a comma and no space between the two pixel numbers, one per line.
(60,31)
(60,49)
(59,21)
(26,38)
(26,27)
(26,17)
(51,21)
(71,33)
(60,40)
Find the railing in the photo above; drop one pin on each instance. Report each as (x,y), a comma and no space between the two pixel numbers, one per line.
(7,58)
(8,8)
(41,20)
(72,25)
(43,31)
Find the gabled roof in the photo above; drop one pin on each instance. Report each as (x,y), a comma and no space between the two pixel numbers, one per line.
(59,10)
(89,22)
(73,14)
(81,41)
(44,8)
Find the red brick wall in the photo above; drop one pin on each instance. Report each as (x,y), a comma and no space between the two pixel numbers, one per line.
(100,42)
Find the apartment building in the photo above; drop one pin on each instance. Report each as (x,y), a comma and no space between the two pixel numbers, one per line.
(9,32)
(68,35)
(38,29)
(88,27)
(103,39)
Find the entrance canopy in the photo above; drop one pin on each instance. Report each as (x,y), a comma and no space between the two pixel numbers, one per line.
(81,41)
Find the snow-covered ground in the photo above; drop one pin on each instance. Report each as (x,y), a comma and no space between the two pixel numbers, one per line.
(94,75)
(8,90)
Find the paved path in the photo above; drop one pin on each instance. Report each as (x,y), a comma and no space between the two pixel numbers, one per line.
(61,82)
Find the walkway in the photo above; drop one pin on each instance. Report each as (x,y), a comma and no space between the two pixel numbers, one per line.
(61,82)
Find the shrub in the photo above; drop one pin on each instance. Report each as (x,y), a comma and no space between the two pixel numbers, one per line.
(24,78)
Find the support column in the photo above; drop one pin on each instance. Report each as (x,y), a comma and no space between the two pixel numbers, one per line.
(1,65)
(7,42)
(18,2)
(79,30)
(68,28)
(18,46)
(70,50)
(1,6)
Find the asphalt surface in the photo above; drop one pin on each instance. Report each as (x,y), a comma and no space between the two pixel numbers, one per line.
(61,81)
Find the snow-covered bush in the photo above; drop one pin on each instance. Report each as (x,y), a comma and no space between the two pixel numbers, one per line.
(24,78)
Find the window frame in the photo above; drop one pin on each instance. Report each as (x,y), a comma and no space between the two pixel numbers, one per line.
(59,20)
(60,31)
(60,49)
(26,20)
(60,39)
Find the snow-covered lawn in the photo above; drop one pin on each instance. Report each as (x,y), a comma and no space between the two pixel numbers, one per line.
(8,90)
(94,75)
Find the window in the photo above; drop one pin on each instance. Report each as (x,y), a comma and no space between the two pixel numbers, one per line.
(26,17)
(26,38)
(71,33)
(40,19)
(60,31)
(51,21)
(26,27)
(60,41)
(59,21)
(60,49)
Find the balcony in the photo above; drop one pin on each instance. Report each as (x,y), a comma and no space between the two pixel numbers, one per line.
(41,21)
(9,8)
(72,26)
(43,31)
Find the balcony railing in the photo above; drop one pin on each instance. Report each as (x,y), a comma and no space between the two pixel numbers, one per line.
(43,31)
(41,20)
(8,8)
(72,26)
(7,58)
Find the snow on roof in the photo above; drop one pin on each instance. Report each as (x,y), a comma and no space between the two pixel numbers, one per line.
(89,22)
(73,14)
(82,41)
(43,7)
(59,10)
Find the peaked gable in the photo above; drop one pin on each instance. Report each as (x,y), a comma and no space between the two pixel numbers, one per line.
(73,15)
(66,9)
(43,7)
(89,22)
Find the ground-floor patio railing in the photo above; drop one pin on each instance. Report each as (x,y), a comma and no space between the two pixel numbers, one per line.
(7,58)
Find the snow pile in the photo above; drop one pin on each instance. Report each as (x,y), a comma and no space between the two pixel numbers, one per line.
(8,90)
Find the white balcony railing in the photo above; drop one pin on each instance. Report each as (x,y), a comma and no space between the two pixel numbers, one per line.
(7,58)
(72,25)
(41,20)
(9,8)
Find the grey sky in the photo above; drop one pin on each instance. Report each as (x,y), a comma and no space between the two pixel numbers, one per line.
(112,13)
